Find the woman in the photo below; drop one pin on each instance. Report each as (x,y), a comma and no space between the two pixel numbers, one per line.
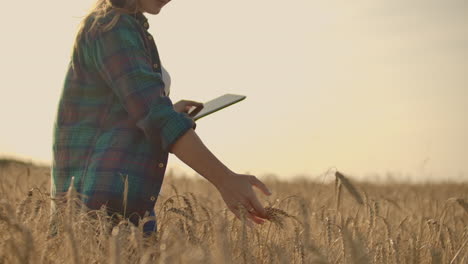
(116,125)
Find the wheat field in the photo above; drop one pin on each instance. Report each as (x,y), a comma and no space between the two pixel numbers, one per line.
(341,221)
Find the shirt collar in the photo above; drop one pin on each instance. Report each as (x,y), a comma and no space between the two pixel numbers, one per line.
(142,19)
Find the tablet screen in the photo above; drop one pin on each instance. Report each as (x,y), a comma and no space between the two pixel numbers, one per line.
(218,104)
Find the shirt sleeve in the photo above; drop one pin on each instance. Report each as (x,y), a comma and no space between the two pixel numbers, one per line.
(123,62)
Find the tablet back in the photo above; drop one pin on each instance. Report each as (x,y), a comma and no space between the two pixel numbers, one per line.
(218,104)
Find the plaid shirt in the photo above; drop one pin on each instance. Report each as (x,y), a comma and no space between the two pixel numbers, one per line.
(114,122)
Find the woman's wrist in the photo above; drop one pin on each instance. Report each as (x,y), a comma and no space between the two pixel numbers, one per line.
(219,176)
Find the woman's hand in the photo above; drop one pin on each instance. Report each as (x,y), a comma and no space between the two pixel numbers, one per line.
(235,189)
(183,106)
(238,194)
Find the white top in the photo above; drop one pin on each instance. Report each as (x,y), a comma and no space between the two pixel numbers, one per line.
(167,80)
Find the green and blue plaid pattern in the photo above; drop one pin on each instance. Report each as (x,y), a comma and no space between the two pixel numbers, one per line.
(114,123)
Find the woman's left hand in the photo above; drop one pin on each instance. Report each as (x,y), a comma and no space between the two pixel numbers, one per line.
(183,106)
(238,194)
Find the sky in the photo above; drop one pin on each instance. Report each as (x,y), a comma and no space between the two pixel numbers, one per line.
(371,88)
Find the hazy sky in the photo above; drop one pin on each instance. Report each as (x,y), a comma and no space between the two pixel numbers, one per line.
(366,87)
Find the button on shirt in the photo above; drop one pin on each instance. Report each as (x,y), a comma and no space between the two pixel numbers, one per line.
(115,122)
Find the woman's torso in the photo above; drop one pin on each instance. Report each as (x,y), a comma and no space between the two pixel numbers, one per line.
(98,143)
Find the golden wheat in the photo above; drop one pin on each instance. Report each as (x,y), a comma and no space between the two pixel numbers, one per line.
(307,222)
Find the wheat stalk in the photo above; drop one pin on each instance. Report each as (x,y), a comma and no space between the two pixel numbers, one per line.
(351,189)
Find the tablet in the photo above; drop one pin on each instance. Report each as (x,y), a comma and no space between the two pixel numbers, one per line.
(216,105)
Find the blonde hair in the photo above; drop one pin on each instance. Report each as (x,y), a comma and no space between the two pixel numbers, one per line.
(101,9)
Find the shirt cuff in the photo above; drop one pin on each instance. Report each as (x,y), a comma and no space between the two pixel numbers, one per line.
(165,132)
(174,129)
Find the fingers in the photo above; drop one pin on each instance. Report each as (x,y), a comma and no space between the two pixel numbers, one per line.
(256,219)
(192,107)
(236,211)
(252,214)
(260,185)
(187,108)
(192,103)
(258,207)
(248,206)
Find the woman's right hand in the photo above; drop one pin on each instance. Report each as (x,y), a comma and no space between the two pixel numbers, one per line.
(237,192)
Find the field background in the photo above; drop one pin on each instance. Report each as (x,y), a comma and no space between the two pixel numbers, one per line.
(340,221)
